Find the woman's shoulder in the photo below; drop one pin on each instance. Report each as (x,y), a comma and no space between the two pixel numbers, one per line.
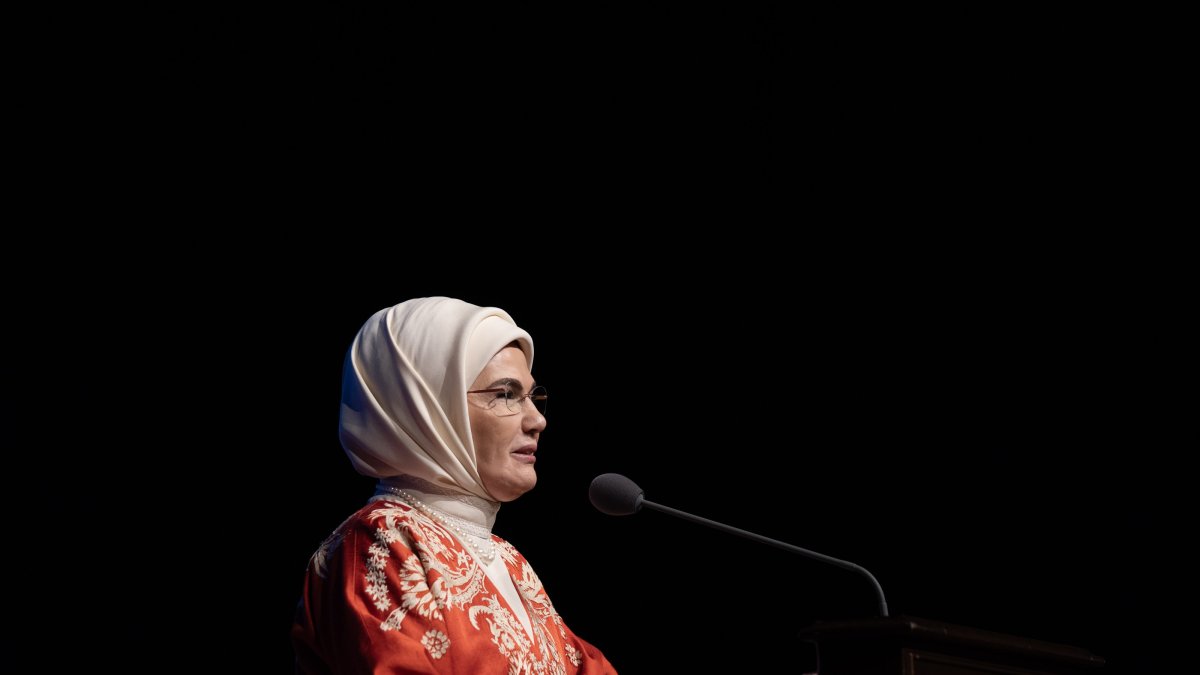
(387,519)
(378,521)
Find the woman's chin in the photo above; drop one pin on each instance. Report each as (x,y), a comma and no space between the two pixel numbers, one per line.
(512,486)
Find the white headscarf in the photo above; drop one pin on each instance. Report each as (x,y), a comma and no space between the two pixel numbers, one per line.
(404,401)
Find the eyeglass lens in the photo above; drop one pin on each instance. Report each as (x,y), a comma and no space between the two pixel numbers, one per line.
(537,395)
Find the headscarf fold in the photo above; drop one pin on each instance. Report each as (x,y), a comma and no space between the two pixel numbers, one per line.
(404,384)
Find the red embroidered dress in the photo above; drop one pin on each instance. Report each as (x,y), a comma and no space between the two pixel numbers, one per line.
(397,593)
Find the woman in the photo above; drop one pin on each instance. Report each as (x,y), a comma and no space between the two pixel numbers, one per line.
(439,404)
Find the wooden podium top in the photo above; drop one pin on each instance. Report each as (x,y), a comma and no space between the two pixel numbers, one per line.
(924,636)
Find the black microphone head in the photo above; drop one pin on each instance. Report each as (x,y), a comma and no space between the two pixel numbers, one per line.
(615,495)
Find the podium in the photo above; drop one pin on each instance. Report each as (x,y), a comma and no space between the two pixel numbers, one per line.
(912,646)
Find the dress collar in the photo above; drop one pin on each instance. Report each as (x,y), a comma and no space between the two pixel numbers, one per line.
(479,514)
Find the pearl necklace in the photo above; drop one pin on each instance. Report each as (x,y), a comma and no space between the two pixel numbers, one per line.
(486,555)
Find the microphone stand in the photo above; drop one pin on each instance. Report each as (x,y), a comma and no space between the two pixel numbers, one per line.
(883,609)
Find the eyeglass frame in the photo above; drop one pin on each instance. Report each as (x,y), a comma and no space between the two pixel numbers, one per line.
(521,399)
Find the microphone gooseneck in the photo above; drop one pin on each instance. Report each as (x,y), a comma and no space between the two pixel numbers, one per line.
(616,495)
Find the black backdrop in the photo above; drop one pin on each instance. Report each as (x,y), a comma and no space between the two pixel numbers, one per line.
(968,452)
(785,272)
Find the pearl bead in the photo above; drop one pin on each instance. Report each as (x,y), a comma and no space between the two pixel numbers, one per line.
(486,556)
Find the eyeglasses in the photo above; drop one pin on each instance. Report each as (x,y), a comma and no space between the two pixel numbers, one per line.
(512,402)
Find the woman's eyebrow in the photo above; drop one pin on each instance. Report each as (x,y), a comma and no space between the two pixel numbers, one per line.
(508,382)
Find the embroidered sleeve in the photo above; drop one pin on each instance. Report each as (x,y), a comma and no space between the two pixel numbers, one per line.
(395,592)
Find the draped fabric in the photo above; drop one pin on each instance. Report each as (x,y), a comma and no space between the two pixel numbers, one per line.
(398,593)
(404,384)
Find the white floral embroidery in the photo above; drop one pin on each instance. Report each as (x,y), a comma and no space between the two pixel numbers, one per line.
(394,619)
(440,574)
(436,643)
(529,584)
(320,559)
(377,557)
(530,587)
(465,582)
(416,594)
(390,535)
(506,633)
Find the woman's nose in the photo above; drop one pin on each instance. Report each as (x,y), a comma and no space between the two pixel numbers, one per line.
(533,419)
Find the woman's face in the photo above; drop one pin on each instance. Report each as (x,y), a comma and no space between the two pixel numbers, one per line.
(505,442)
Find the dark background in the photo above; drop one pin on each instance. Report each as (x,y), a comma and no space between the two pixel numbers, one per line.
(982,451)
(834,280)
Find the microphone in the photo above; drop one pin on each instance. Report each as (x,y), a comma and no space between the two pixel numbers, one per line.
(616,495)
